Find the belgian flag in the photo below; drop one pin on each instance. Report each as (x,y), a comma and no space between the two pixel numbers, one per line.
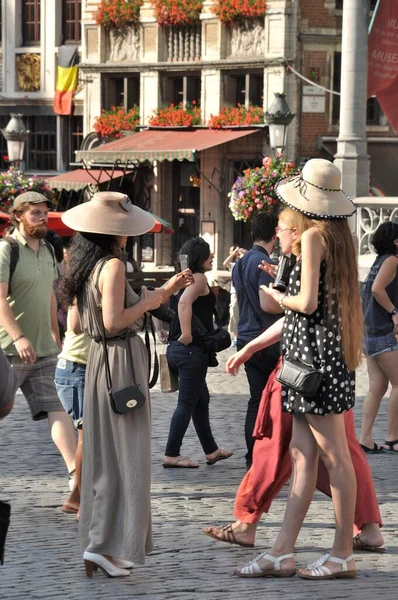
(68,59)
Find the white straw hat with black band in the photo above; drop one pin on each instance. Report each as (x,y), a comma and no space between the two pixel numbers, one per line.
(109,213)
(316,191)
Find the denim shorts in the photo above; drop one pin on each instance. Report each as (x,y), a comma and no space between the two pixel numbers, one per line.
(374,345)
(69,381)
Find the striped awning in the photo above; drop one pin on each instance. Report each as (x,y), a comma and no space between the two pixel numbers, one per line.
(158,144)
(81,178)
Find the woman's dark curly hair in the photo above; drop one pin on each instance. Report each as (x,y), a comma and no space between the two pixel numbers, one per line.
(383,238)
(84,251)
(198,251)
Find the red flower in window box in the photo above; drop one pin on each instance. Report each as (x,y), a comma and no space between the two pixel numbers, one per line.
(237,116)
(232,10)
(113,122)
(176,116)
(177,12)
(118,13)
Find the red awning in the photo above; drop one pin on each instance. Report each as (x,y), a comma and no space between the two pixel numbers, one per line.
(81,178)
(55,223)
(158,144)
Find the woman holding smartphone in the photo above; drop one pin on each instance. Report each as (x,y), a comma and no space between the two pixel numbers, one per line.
(187,356)
(323,328)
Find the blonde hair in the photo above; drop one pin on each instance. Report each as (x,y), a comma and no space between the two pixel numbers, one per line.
(341,276)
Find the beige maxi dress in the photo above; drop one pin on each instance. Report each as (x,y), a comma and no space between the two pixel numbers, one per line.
(115,511)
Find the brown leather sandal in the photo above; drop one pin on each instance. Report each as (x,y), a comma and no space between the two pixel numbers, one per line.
(225,534)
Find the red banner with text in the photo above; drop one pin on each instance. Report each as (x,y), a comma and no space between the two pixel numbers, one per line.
(383,60)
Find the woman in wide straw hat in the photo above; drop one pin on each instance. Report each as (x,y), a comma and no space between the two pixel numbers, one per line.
(322,327)
(115,515)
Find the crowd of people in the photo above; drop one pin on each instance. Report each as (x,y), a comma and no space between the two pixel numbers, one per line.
(96,380)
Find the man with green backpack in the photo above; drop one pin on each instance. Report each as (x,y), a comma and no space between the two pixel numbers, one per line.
(29,333)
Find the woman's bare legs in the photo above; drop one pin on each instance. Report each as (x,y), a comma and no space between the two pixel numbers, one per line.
(329,433)
(304,454)
(378,384)
(388,362)
(313,434)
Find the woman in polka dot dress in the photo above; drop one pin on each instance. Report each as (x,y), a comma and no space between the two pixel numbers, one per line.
(315,339)
(323,327)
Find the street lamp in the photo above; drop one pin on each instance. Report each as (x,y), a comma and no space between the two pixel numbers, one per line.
(15,135)
(278,118)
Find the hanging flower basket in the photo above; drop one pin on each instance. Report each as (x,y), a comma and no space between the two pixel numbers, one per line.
(177,12)
(13,183)
(254,191)
(233,10)
(113,122)
(118,14)
(177,116)
(237,116)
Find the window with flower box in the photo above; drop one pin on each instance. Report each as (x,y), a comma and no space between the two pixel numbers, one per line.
(30,22)
(181,88)
(374,114)
(120,90)
(71,21)
(242,88)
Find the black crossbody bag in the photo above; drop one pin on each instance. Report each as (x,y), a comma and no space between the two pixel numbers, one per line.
(130,398)
(213,341)
(298,375)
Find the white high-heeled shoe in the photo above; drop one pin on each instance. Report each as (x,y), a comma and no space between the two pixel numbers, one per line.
(94,561)
(123,564)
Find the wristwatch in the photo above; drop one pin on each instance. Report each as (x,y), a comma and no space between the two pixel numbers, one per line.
(394,311)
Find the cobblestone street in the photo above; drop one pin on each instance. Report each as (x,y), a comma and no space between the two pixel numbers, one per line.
(43,558)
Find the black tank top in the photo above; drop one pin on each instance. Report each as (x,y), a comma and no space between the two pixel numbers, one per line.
(202,308)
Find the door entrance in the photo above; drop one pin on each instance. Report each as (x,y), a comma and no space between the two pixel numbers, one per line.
(186,203)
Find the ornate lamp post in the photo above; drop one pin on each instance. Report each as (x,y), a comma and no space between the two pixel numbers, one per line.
(15,135)
(278,118)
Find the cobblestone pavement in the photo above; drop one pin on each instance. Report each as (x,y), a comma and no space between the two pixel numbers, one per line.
(43,558)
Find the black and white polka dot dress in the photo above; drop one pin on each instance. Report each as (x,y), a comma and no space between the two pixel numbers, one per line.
(317,339)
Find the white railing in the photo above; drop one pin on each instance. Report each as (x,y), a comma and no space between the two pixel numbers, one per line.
(372,212)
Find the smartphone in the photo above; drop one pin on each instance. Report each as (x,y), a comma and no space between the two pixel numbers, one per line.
(184,261)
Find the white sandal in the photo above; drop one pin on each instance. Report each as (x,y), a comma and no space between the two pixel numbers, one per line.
(253,569)
(321,571)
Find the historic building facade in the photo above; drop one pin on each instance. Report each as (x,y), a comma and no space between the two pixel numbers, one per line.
(31,32)
(207,63)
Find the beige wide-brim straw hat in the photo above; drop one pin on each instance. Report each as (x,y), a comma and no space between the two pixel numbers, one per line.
(316,191)
(109,213)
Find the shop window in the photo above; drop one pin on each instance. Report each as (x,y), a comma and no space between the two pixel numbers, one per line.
(30,22)
(243,88)
(374,114)
(121,91)
(181,88)
(71,21)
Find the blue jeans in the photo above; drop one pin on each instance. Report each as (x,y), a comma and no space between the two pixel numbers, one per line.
(191,363)
(69,381)
(378,344)
(258,368)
